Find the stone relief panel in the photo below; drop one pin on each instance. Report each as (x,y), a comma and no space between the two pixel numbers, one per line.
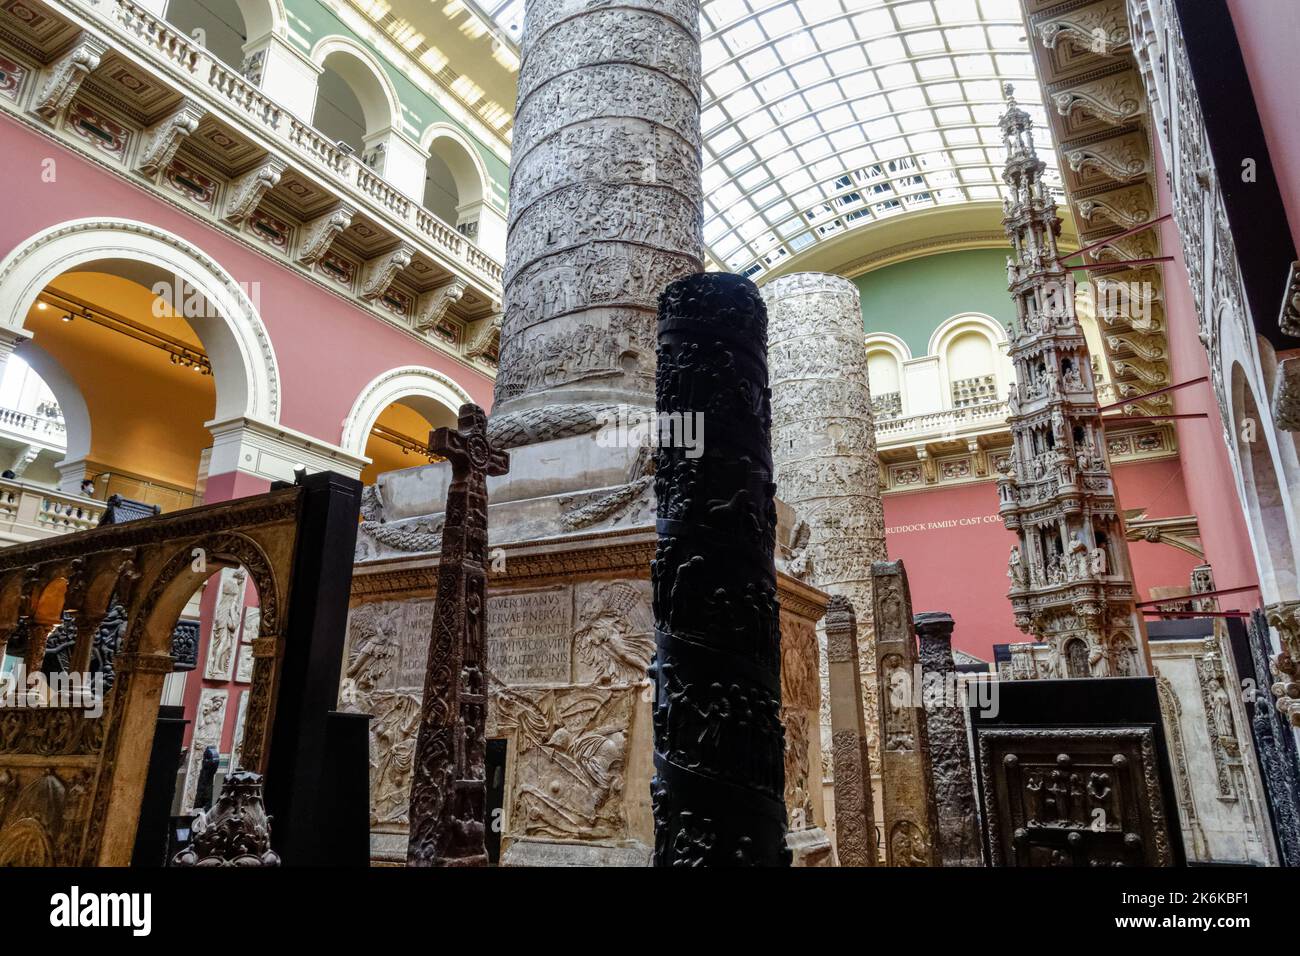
(567,665)
(614,633)
(570,756)
(383,676)
(43,814)
(244,661)
(530,636)
(801,713)
(209,721)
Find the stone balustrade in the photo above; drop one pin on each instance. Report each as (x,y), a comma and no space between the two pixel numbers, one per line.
(28,426)
(950,422)
(183,65)
(30,512)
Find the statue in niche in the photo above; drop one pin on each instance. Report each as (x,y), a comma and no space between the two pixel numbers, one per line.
(1126,661)
(226,619)
(1058,426)
(1078,557)
(1072,377)
(1098,665)
(1013,399)
(1097,562)
(1016,569)
(1221,710)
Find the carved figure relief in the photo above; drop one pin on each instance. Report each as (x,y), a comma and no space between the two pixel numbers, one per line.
(223,639)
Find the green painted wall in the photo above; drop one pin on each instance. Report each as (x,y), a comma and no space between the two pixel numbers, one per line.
(911,299)
(311,22)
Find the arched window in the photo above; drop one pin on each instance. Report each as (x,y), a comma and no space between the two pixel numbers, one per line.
(969,347)
(455,182)
(354,102)
(885,357)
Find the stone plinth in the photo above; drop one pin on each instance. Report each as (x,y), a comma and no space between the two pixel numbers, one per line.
(605,204)
(569,634)
(824,448)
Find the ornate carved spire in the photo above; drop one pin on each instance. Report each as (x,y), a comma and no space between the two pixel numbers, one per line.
(1071,580)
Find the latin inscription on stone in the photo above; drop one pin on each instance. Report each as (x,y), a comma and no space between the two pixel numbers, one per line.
(530,636)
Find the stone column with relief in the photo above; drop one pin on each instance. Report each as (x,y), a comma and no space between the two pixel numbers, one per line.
(605,209)
(824,447)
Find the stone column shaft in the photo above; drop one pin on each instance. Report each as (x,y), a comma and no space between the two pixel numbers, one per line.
(605,204)
(719,786)
(824,447)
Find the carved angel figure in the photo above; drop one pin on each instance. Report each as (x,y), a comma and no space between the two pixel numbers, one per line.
(615,636)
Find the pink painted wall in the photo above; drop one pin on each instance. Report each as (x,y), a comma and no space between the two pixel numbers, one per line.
(327,349)
(955,548)
(1268,31)
(1211,489)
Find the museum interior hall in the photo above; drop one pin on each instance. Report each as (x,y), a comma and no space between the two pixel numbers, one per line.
(586,433)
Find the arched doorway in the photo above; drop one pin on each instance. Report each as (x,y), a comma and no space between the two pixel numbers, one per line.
(391,419)
(145,341)
(226,27)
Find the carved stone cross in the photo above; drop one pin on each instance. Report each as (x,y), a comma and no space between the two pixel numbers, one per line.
(448,785)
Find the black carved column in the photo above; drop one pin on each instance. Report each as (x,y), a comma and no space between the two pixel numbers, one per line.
(448,782)
(950,763)
(719,744)
(1275,746)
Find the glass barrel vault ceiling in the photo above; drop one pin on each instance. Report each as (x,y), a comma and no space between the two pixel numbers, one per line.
(821,116)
